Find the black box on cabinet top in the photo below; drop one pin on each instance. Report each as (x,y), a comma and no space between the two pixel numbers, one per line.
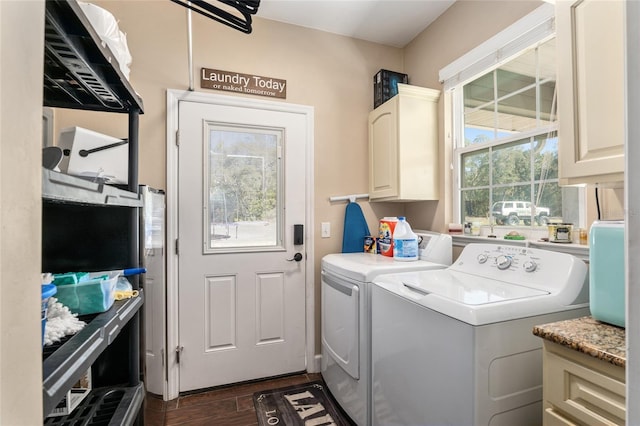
(385,85)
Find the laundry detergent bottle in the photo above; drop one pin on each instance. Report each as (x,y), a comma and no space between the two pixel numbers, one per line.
(405,242)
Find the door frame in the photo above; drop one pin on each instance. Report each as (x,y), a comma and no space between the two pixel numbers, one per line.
(173,98)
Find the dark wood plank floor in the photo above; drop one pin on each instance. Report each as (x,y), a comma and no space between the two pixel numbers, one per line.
(224,406)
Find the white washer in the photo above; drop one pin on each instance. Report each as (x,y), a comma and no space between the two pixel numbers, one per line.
(455,346)
(346,317)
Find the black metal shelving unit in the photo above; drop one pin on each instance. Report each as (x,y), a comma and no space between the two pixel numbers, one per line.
(64,366)
(88,226)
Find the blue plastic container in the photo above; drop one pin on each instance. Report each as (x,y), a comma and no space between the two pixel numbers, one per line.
(606,272)
(48,290)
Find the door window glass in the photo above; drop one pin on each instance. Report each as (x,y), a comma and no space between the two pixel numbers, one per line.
(242,189)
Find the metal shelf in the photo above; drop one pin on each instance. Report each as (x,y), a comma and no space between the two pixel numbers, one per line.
(81,72)
(63,368)
(118,404)
(60,187)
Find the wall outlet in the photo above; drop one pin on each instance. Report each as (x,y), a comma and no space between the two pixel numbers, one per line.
(326,230)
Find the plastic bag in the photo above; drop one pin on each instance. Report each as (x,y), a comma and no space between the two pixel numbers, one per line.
(123,284)
(107,28)
(124,290)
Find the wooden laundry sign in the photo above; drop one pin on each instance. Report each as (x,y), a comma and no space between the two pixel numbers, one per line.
(243,83)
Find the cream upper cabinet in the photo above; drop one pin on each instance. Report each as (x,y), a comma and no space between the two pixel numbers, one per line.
(403,147)
(590,43)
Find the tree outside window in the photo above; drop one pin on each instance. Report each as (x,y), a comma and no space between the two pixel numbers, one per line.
(508,144)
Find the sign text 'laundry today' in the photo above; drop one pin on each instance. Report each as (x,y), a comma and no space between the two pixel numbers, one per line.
(244,83)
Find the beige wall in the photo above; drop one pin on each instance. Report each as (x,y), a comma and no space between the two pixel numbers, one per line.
(329,72)
(20,212)
(465,25)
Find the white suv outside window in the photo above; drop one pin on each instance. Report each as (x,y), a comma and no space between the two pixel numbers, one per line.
(512,212)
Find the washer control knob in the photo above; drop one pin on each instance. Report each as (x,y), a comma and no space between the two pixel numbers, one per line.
(530,266)
(503,262)
(482,258)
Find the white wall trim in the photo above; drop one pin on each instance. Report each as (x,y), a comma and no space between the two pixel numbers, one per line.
(317,363)
(173,99)
(632,207)
(173,371)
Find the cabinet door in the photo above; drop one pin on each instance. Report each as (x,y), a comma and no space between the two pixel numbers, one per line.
(581,387)
(383,150)
(418,166)
(590,42)
(552,417)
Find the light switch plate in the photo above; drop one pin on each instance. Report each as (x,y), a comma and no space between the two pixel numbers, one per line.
(326,230)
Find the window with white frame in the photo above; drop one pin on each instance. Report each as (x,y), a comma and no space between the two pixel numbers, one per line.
(504,127)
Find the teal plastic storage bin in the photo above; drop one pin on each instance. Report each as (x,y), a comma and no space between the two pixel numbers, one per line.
(606,272)
(70,278)
(88,297)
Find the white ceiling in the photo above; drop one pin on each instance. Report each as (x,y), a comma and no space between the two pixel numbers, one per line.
(389,22)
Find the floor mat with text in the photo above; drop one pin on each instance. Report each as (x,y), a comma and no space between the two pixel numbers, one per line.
(307,403)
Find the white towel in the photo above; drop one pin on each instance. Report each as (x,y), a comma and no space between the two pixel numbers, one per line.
(60,322)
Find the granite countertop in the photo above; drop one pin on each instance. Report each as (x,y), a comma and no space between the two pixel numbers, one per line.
(589,336)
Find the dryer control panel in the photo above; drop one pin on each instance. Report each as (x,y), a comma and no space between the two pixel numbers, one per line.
(504,259)
(542,269)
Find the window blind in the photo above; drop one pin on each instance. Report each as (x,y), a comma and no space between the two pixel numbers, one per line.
(533,28)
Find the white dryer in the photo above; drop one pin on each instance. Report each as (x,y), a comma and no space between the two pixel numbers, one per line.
(346,317)
(455,346)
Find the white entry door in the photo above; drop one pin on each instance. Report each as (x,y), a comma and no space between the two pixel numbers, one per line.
(241,281)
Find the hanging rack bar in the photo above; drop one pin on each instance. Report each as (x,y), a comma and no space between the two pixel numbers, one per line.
(351,198)
(228,15)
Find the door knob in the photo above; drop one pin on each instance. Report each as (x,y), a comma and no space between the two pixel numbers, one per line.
(297,257)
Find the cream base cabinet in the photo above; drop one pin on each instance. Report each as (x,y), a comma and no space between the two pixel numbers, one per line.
(403,147)
(590,60)
(579,389)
